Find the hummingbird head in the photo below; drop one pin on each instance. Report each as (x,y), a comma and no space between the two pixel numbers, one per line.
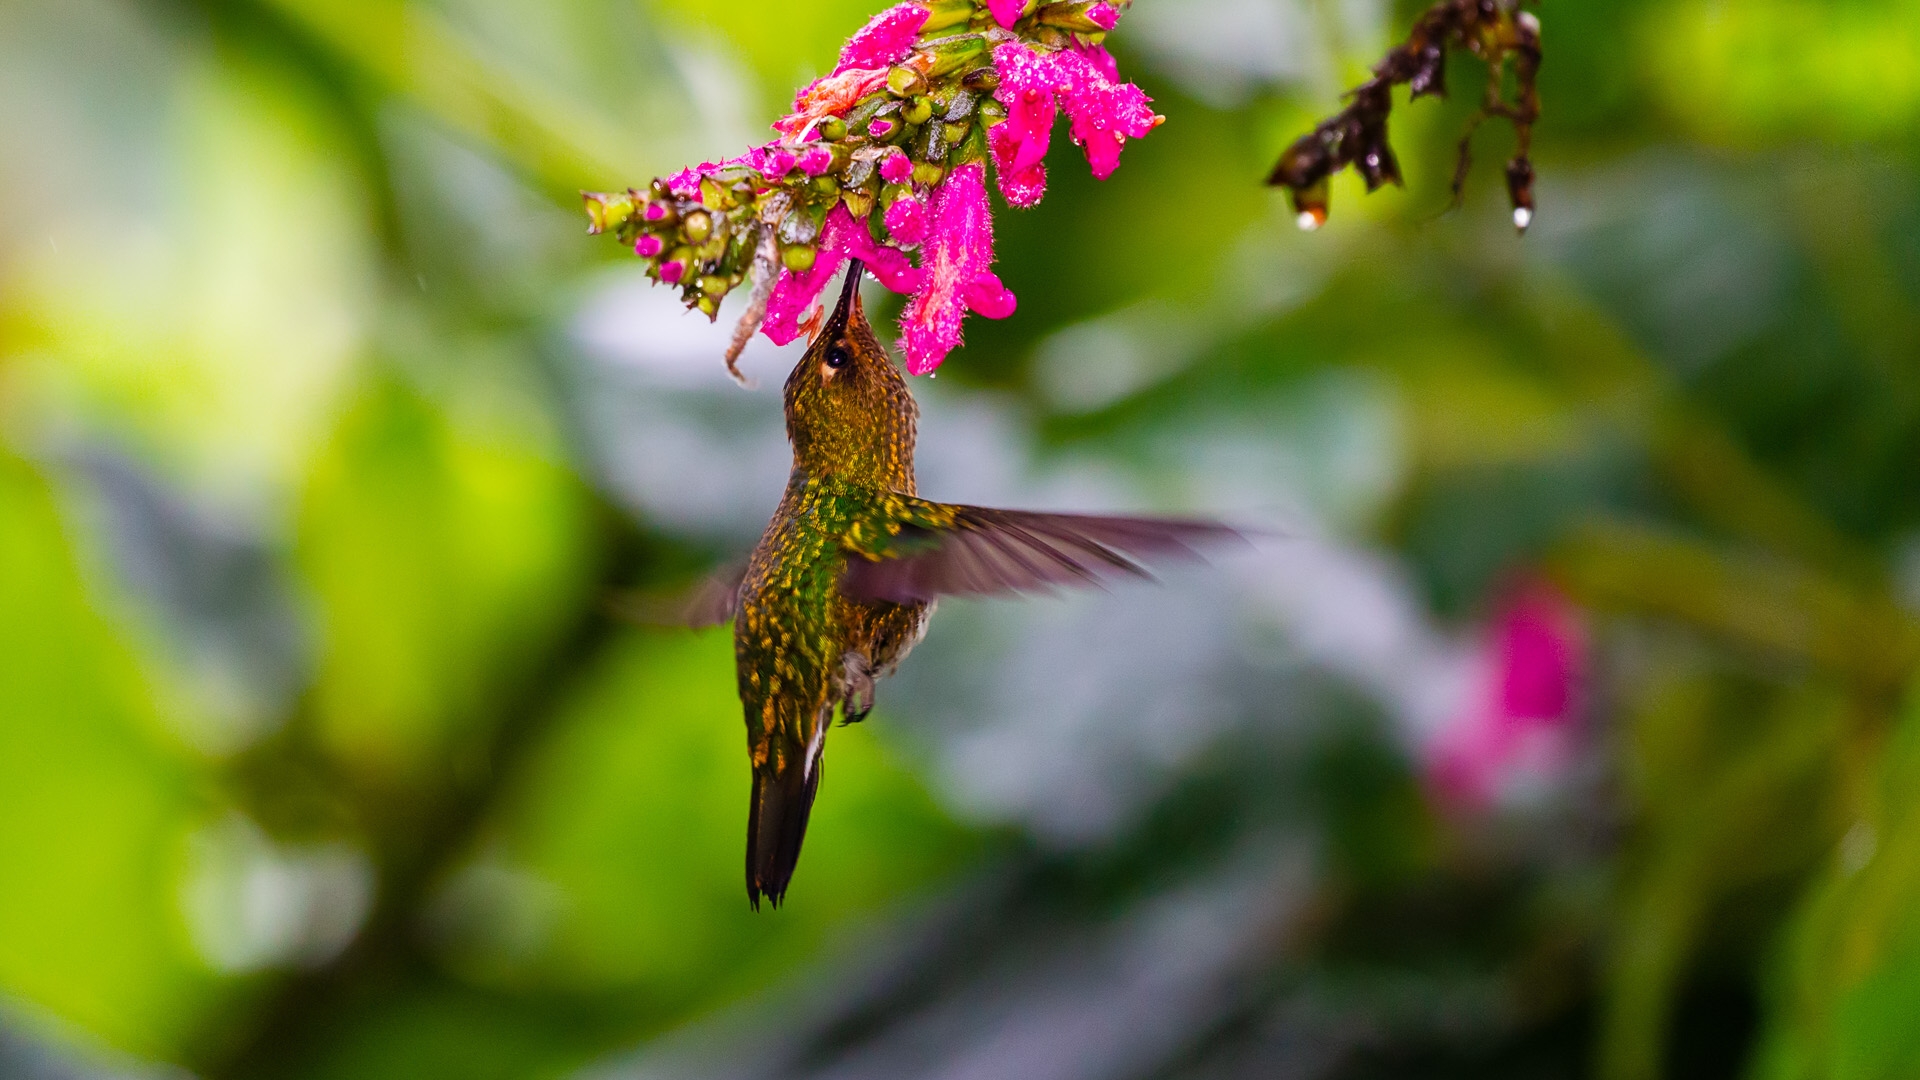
(849,412)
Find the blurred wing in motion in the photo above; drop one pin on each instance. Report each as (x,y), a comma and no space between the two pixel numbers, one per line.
(943,550)
(709,603)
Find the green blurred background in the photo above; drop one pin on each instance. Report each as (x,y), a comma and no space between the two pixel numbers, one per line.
(327,436)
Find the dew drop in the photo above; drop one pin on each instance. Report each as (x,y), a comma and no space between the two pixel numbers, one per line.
(1522,217)
(1309,220)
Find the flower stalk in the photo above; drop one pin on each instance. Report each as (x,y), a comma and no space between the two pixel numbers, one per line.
(1498,32)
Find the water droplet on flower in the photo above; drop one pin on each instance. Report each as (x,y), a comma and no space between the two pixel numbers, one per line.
(1522,217)
(1309,220)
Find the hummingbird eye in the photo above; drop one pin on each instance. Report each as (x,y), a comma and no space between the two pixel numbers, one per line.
(838,357)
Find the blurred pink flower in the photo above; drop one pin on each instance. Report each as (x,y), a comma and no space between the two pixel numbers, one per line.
(1517,726)
(957,258)
(886,39)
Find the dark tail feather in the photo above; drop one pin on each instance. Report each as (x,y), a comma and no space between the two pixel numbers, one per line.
(776,824)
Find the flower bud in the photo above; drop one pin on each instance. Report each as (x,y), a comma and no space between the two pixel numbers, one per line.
(676,265)
(918,111)
(1079,16)
(893,193)
(698,226)
(945,14)
(648,245)
(798,258)
(606,212)
(825,185)
(992,113)
(883,129)
(956,133)
(708,306)
(956,53)
(832,129)
(904,82)
(859,203)
(896,167)
(715,286)
(927,174)
(981,80)
(659,211)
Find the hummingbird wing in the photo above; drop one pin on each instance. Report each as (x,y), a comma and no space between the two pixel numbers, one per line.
(937,549)
(710,602)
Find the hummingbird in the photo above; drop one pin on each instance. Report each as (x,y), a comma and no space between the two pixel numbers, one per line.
(843,582)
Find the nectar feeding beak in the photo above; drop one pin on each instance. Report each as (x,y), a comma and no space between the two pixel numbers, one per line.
(849,298)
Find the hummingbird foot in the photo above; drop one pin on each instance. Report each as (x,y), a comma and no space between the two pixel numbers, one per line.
(856,688)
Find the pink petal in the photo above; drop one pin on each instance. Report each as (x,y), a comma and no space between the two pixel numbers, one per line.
(988,298)
(1029,85)
(1104,113)
(907,221)
(777,162)
(647,246)
(1100,58)
(1539,646)
(685,184)
(818,159)
(1006,12)
(896,167)
(794,293)
(958,260)
(1020,187)
(885,40)
(1103,15)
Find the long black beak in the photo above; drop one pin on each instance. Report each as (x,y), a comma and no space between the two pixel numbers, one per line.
(849,297)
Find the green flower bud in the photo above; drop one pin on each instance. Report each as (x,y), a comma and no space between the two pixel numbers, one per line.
(1072,15)
(928,174)
(715,286)
(992,113)
(955,134)
(945,14)
(859,203)
(698,226)
(606,212)
(892,193)
(798,258)
(904,82)
(918,111)
(981,80)
(833,129)
(709,307)
(825,185)
(956,53)
(715,195)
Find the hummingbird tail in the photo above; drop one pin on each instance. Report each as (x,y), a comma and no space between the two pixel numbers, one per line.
(776,824)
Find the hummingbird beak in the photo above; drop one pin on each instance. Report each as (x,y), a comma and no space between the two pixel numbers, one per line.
(849,298)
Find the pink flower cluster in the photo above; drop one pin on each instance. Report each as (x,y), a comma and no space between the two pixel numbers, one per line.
(884,160)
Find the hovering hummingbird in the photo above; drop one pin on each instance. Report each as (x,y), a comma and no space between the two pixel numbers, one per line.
(844,580)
